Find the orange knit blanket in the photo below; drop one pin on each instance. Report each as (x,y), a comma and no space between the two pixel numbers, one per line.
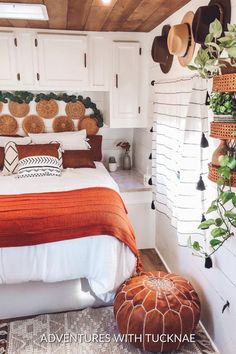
(30,219)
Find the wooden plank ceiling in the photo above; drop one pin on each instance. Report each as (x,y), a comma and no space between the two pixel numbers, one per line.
(93,15)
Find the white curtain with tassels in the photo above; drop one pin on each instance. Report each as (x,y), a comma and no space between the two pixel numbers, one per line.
(180,118)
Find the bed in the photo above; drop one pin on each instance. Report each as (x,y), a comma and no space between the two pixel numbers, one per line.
(63,275)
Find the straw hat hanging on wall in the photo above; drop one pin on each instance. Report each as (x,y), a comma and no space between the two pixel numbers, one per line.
(180,40)
(160,52)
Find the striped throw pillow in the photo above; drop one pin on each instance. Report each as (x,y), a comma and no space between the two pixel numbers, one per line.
(39,166)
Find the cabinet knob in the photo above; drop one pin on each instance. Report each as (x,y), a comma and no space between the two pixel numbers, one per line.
(85,60)
(18,76)
(38,77)
(117,81)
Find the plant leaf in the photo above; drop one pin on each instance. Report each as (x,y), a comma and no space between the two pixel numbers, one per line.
(218,232)
(196,246)
(214,242)
(215,28)
(227,196)
(212,208)
(230,214)
(218,222)
(224,160)
(206,224)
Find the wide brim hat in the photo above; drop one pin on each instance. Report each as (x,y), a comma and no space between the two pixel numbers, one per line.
(160,52)
(205,15)
(180,40)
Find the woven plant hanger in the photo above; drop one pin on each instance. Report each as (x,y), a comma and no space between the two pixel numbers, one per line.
(18,110)
(47,109)
(75,110)
(90,124)
(33,124)
(1,107)
(63,124)
(8,125)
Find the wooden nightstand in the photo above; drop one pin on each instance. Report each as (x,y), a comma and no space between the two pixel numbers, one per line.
(137,199)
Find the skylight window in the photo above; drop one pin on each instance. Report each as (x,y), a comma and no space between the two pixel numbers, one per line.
(23,11)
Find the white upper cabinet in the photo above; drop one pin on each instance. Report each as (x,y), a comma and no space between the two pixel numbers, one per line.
(62,60)
(8,71)
(26,59)
(126,85)
(99,60)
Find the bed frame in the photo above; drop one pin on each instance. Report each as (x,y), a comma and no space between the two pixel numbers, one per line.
(27,299)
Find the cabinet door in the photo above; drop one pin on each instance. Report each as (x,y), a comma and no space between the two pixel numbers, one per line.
(8,73)
(62,60)
(26,59)
(99,62)
(126,86)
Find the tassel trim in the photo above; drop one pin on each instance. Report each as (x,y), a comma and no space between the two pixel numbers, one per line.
(208,262)
(200,184)
(204,141)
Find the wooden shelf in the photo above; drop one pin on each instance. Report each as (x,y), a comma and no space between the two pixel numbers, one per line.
(213,174)
(223,131)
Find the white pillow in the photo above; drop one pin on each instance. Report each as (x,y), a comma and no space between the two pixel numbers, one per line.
(11,156)
(20,141)
(68,140)
(39,166)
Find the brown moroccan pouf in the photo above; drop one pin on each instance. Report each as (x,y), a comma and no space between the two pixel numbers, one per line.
(154,305)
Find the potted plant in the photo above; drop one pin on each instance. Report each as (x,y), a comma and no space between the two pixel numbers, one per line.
(219,53)
(125,145)
(223,106)
(112,166)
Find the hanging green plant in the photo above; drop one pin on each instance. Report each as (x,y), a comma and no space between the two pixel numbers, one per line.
(224,209)
(27,97)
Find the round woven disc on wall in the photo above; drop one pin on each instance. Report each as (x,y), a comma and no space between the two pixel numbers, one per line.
(18,110)
(90,124)
(33,124)
(63,124)
(1,107)
(47,109)
(75,110)
(8,125)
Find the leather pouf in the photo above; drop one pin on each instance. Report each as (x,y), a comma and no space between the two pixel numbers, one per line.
(154,304)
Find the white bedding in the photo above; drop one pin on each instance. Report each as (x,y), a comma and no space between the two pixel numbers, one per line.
(103,260)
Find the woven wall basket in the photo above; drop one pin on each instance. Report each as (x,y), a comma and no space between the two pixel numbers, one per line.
(8,125)
(63,124)
(90,124)
(18,110)
(47,109)
(224,83)
(223,131)
(75,110)
(213,175)
(33,124)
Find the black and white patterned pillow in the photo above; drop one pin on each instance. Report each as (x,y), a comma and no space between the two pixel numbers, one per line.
(39,166)
(11,159)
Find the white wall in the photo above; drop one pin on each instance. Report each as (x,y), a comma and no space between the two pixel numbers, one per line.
(217,285)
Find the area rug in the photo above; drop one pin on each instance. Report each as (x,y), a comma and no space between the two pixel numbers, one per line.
(88,331)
